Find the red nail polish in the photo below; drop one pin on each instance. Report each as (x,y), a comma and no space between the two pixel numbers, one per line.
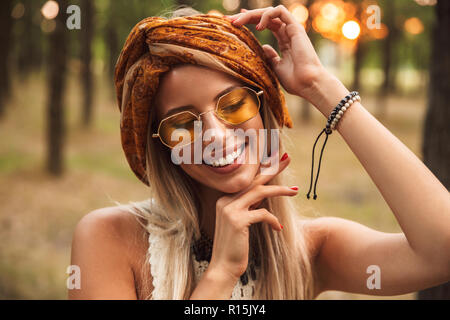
(284,157)
(294,188)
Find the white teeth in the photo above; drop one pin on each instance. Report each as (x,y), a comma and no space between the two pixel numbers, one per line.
(228,159)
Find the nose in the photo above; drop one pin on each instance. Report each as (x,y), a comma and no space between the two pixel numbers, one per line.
(215,127)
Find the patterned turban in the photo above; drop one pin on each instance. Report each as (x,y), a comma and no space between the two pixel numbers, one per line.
(156,44)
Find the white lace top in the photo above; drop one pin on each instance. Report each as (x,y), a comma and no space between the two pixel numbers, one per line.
(157,251)
(240,291)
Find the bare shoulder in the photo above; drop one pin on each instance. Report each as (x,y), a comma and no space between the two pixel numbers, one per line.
(113,224)
(112,229)
(315,231)
(109,244)
(318,230)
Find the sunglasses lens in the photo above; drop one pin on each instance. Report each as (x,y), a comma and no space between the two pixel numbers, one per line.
(178,129)
(235,107)
(238,106)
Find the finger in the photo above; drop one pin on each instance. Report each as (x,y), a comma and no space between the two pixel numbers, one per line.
(261,192)
(255,205)
(263,179)
(256,15)
(273,25)
(277,167)
(269,161)
(271,55)
(278,12)
(263,215)
(283,39)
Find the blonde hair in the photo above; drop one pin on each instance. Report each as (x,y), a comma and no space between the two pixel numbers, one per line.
(172,213)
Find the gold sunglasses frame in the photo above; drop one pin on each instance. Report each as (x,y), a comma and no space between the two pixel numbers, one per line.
(156,135)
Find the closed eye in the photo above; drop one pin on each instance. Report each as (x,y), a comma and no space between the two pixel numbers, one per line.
(233,107)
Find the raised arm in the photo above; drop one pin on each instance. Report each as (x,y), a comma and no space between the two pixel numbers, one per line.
(417,258)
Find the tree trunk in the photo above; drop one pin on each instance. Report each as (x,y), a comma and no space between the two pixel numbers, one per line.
(388,84)
(30,46)
(56,85)
(436,146)
(359,54)
(87,32)
(112,41)
(5,40)
(387,52)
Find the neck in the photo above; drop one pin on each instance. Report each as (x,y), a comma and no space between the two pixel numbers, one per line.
(207,214)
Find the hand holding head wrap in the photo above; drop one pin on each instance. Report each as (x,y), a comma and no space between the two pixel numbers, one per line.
(156,44)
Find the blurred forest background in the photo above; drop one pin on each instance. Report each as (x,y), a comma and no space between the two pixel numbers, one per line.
(60,151)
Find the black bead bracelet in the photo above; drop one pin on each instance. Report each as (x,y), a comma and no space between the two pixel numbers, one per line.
(332,121)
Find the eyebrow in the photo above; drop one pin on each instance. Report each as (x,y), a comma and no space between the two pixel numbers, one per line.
(190,106)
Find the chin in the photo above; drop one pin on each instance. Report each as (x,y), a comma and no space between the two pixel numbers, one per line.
(236,183)
(224,183)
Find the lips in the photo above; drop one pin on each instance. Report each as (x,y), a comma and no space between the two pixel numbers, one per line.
(228,159)
(229,163)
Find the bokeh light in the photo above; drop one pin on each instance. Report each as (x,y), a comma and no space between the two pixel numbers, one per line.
(329,11)
(48,26)
(414,25)
(18,11)
(50,10)
(379,33)
(231,5)
(215,12)
(426,2)
(300,12)
(351,30)
(255,4)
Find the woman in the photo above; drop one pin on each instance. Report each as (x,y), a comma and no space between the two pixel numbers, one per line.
(172,73)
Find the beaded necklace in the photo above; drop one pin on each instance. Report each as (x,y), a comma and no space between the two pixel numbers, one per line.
(202,250)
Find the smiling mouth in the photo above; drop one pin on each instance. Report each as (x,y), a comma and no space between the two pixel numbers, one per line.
(225,161)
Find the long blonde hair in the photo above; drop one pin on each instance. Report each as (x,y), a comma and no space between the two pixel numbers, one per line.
(172,213)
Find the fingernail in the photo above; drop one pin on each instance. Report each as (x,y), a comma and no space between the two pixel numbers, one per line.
(284,157)
(294,188)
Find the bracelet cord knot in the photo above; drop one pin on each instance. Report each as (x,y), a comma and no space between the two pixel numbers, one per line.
(330,126)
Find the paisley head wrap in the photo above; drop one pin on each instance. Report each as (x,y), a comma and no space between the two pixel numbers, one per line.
(156,44)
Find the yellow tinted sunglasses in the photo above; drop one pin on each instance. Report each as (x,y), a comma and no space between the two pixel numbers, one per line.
(235,107)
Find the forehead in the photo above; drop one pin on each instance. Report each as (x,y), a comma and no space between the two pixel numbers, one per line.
(191,84)
(188,75)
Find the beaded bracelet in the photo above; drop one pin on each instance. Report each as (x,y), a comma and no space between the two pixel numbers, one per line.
(332,122)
